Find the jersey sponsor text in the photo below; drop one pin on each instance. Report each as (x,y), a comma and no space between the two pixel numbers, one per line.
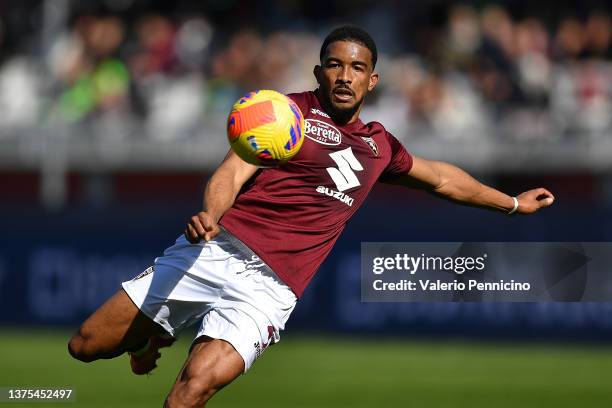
(338,195)
(322,132)
(316,111)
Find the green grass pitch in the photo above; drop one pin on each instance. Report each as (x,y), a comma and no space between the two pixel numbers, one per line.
(322,372)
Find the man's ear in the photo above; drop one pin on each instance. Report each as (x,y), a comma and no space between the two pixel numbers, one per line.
(317,71)
(373,81)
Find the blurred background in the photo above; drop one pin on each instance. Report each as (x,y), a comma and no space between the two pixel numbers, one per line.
(112,117)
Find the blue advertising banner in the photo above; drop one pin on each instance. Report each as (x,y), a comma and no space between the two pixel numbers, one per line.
(56,269)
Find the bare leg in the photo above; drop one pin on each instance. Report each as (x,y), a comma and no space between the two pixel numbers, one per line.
(211,365)
(118,325)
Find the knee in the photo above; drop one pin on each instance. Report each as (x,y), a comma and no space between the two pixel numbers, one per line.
(78,348)
(190,393)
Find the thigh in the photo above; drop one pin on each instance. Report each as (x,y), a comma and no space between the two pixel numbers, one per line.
(117,325)
(211,365)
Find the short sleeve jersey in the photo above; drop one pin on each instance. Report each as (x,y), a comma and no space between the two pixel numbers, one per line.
(292,215)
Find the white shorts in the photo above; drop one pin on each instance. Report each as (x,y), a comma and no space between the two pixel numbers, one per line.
(221,283)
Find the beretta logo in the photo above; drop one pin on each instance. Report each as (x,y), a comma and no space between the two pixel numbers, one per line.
(322,132)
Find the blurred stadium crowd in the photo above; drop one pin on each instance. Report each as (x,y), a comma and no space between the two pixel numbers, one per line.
(112,112)
(145,69)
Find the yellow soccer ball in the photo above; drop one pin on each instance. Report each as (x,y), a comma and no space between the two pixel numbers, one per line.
(265,128)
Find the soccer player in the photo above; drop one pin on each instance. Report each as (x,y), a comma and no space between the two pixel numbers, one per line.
(246,258)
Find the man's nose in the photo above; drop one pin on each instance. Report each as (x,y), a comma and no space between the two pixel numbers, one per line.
(343,76)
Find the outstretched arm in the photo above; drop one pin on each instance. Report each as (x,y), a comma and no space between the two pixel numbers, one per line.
(219,196)
(451,182)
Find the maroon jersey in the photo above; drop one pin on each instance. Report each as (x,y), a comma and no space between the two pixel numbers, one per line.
(292,215)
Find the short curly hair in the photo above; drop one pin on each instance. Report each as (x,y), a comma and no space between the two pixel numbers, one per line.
(350,33)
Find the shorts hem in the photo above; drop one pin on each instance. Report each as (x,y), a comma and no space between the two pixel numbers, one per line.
(127,287)
(227,340)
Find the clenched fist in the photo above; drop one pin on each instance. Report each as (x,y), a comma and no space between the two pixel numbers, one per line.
(201,226)
(532,200)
